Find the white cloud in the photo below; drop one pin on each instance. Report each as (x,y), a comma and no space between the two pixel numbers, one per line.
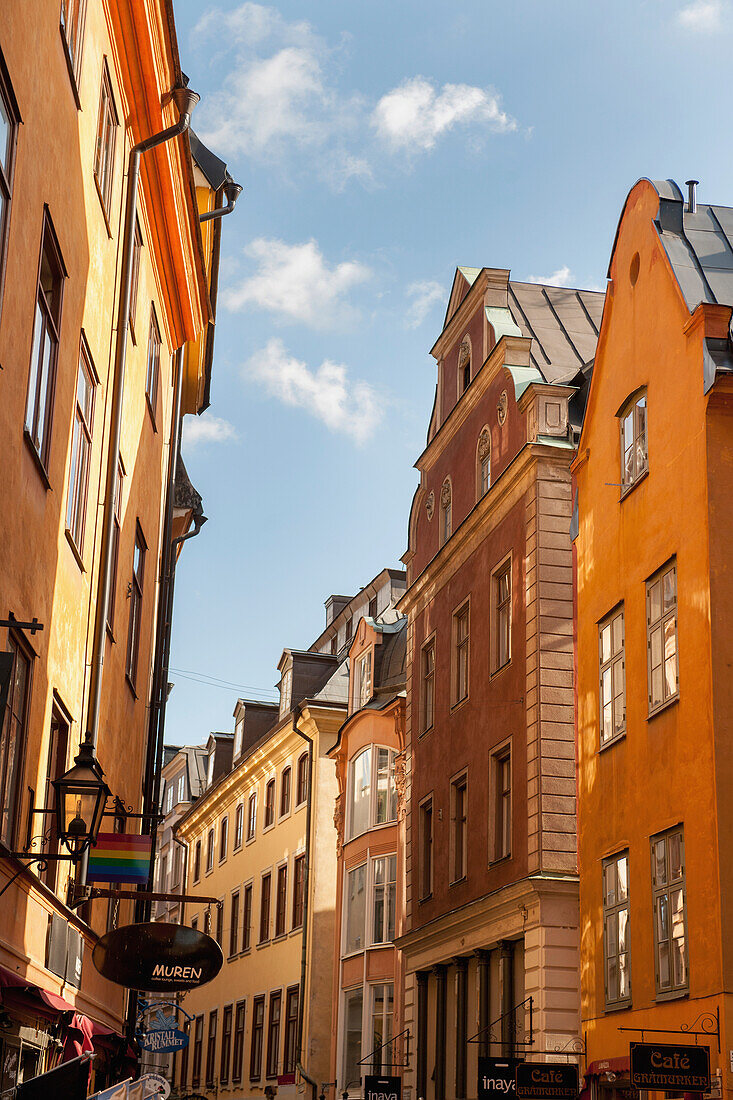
(426,295)
(351,407)
(561,277)
(415,115)
(200,430)
(296,282)
(702,15)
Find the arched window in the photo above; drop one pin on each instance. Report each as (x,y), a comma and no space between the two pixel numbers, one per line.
(483,463)
(634,454)
(446,511)
(464,365)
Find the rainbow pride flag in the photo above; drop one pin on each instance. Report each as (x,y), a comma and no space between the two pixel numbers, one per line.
(119,857)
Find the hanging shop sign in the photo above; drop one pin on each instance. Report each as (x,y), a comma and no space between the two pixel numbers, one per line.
(670,1067)
(157,1027)
(158,957)
(382,1088)
(547,1081)
(496,1078)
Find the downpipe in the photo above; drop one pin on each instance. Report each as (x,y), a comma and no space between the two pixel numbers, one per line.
(306,906)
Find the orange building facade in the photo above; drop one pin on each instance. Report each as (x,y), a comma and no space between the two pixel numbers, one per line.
(107,70)
(368,1032)
(654,476)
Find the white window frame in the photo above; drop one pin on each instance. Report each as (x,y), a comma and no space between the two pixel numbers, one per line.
(372,822)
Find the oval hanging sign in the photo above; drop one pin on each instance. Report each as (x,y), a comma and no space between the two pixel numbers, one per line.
(158,957)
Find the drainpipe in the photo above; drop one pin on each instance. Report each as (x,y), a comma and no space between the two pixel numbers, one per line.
(232,191)
(306,884)
(184,876)
(186,100)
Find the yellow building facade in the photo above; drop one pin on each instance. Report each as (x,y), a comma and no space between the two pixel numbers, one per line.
(109,70)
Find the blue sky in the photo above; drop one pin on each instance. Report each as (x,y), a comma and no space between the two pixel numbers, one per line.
(380,144)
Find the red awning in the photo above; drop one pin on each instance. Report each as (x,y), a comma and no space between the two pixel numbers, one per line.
(608,1065)
(55,1001)
(9,979)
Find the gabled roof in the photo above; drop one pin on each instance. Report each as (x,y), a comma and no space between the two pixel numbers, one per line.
(562,323)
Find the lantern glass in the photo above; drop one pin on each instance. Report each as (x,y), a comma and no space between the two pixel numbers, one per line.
(81,795)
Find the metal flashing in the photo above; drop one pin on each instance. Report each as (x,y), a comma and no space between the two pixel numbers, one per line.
(502,322)
(523,377)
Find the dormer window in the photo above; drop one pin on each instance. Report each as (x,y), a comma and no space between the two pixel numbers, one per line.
(634,455)
(210,770)
(286,691)
(238,732)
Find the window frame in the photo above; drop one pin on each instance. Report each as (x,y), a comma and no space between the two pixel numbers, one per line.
(631,407)
(211,1046)
(49,333)
(152,369)
(198,1050)
(427,685)
(18,717)
(427,840)
(116,536)
(459,827)
(137,250)
(498,605)
(247,910)
(362,679)
(281,901)
(240,1020)
(197,861)
(257,1039)
(226,1044)
(251,818)
(360,927)
(238,826)
(372,822)
(7,167)
(460,653)
(445,529)
(666,888)
(265,931)
(301,782)
(290,1043)
(670,613)
(105,146)
(268,819)
(499,756)
(134,630)
(223,838)
(612,910)
(210,848)
(298,905)
(272,1061)
(286,792)
(234,924)
(389,889)
(74,43)
(609,666)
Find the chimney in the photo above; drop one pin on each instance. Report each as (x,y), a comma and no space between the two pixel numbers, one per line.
(691,185)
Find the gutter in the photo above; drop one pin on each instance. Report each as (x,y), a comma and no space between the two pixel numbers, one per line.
(306,884)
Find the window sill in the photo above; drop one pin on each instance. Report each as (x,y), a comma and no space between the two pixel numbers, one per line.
(75,550)
(130,685)
(297,928)
(460,703)
(279,937)
(673,995)
(301,805)
(250,840)
(627,489)
(105,213)
(500,669)
(662,707)
(426,732)
(151,413)
(37,459)
(70,67)
(237,848)
(425,898)
(458,881)
(612,741)
(222,860)
(500,859)
(262,943)
(617,1006)
(110,633)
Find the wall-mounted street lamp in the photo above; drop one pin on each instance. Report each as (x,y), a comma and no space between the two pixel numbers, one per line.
(81,796)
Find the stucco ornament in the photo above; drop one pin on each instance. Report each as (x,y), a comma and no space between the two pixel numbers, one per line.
(484,443)
(400,782)
(430,504)
(464,352)
(338,823)
(501,408)
(445,493)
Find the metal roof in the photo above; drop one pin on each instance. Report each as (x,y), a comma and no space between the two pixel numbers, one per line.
(563,324)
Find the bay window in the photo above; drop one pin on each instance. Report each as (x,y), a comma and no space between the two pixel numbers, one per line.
(372,792)
(384,887)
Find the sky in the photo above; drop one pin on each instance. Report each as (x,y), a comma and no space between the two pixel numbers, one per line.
(380,144)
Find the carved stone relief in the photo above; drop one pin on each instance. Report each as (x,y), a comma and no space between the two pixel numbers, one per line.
(338,822)
(430,504)
(484,443)
(445,493)
(501,408)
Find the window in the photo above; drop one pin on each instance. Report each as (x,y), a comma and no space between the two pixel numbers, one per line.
(210,851)
(44,349)
(9,119)
(238,825)
(137,249)
(183,1076)
(252,816)
(116,528)
(382,1021)
(384,880)
(290,1054)
(362,680)
(238,737)
(502,597)
(286,691)
(373,798)
(55,768)
(502,785)
(301,794)
(273,1034)
(198,1044)
(265,908)
(176,872)
(104,155)
(281,900)
(169,798)
(13,737)
(460,655)
(197,861)
(223,838)
(238,1042)
(207,921)
(661,629)
(355,908)
(373,605)
(464,365)
(426,848)
(298,890)
(428,686)
(634,457)
(285,792)
(81,449)
(181,793)
(446,511)
(226,1044)
(234,925)
(334,645)
(459,806)
(353,1011)
(269,804)
(211,1047)
(616,929)
(136,603)
(153,370)
(612,689)
(72,30)
(670,919)
(349,630)
(194,923)
(258,1027)
(483,463)
(247,917)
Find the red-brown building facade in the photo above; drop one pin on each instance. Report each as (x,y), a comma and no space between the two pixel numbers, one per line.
(491,901)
